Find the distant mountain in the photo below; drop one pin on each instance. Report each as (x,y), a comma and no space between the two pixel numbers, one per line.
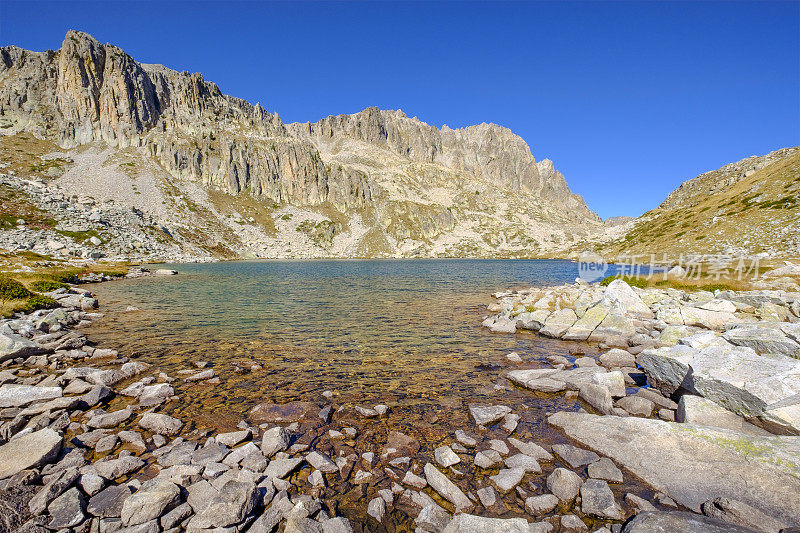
(221,177)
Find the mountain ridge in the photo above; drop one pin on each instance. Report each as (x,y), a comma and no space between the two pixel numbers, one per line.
(420,190)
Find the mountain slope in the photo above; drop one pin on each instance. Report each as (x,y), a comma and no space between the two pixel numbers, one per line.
(748,207)
(220,176)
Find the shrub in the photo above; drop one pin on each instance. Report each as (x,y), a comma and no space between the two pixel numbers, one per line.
(44,285)
(40,302)
(11,289)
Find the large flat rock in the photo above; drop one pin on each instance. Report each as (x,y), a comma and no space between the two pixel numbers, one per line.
(693,464)
(12,346)
(29,451)
(765,386)
(21,395)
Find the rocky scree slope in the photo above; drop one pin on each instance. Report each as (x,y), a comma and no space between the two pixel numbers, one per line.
(748,207)
(376,183)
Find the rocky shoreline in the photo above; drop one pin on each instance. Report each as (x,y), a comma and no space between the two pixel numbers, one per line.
(87,444)
(697,394)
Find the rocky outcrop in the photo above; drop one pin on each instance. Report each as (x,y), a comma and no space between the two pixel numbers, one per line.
(416,189)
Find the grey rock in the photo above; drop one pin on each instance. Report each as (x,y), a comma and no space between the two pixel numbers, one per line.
(538,505)
(702,412)
(598,500)
(564,484)
(754,386)
(234,438)
(116,468)
(650,449)
(274,440)
(605,469)
(507,478)
(741,514)
(22,395)
(108,502)
(488,414)
(110,420)
(432,519)
(467,523)
(671,521)
(491,501)
(234,501)
(574,456)
(597,396)
(321,462)
(66,511)
(281,467)
(445,456)
(161,424)
(52,490)
(447,489)
(636,405)
(29,451)
(150,502)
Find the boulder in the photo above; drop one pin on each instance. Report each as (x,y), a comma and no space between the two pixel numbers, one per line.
(585,325)
(13,346)
(280,413)
(151,501)
(29,451)
(22,395)
(537,505)
(598,500)
(564,484)
(692,464)
(614,381)
(274,440)
(160,424)
(467,523)
(763,340)
(703,318)
(614,330)
(617,358)
(597,396)
(488,414)
(766,387)
(703,412)
(674,521)
(740,514)
(447,489)
(621,299)
(636,405)
(66,511)
(558,323)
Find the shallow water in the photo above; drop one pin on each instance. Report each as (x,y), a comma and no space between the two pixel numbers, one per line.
(403,333)
(397,332)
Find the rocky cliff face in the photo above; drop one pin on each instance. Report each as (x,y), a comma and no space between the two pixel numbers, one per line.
(396,185)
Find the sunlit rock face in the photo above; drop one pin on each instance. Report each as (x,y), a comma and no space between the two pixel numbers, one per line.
(410,188)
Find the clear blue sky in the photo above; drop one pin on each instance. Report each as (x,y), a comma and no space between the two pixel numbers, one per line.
(628,99)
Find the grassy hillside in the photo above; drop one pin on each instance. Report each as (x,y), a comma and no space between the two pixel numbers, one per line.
(748,207)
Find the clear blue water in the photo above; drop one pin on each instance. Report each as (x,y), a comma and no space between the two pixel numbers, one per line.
(400,332)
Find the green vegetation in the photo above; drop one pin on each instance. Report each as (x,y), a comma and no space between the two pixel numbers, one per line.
(11,289)
(79,236)
(630,280)
(46,285)
(39,301)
